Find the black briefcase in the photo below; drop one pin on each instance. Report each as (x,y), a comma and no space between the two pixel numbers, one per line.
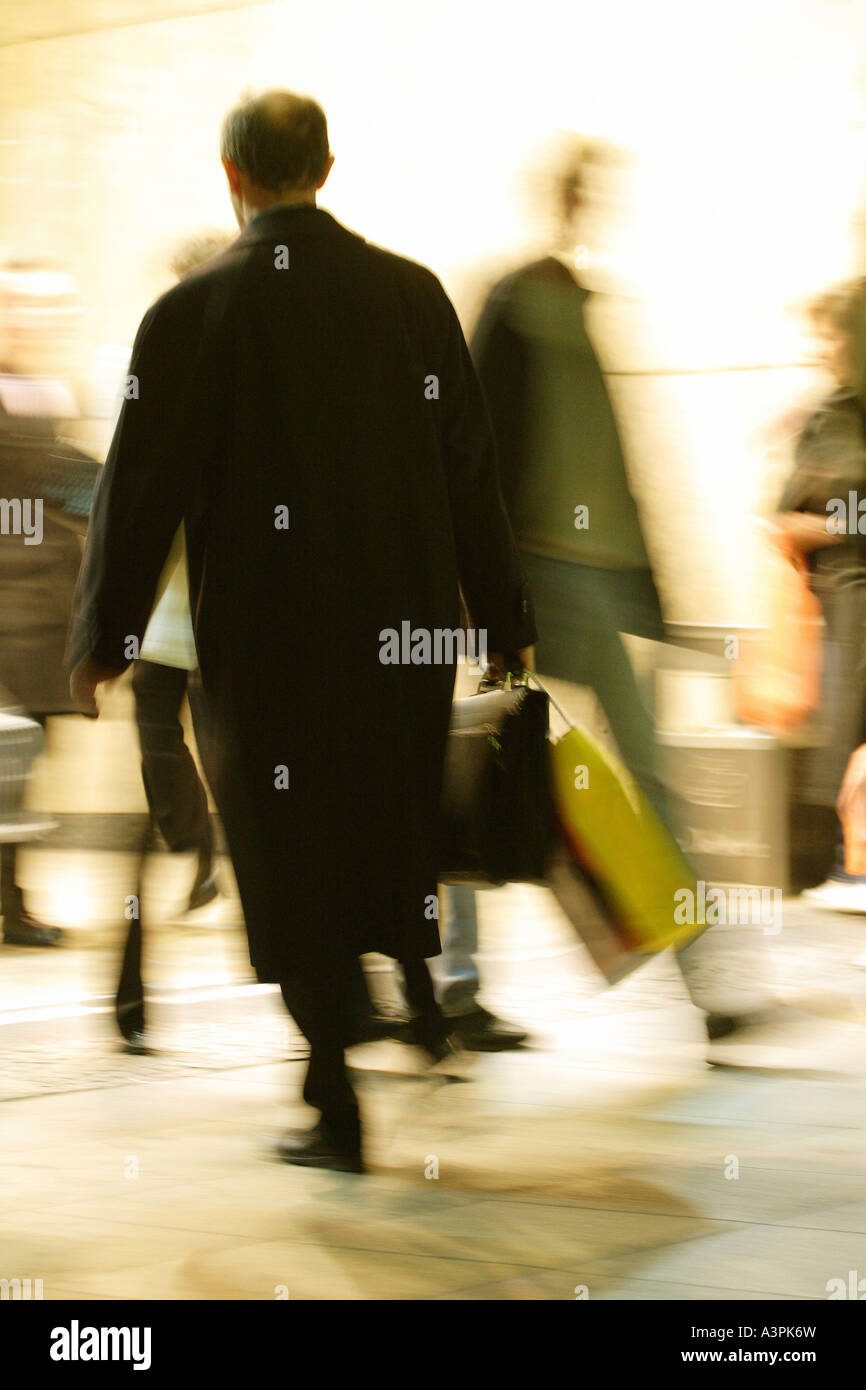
(497,821)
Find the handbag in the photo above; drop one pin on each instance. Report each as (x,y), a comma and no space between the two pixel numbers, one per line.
(21,741)
(497,821)
(777,676)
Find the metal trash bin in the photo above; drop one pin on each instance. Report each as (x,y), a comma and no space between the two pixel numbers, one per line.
(731,792)
(732,823)
(21,739)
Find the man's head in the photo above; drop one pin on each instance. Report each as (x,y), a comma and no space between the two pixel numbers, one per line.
(836,321)
(570,181)
(274,149)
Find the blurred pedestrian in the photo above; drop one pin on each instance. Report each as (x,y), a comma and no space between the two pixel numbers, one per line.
(567,491)
(564,477)
(820,511)
(39,553)
(167,673)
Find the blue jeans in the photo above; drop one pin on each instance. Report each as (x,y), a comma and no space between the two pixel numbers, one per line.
(455,972)
(581,611)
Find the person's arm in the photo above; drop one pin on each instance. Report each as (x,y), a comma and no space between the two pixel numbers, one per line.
(491,576)
(163,434)
(830,465)
(499,357)
(807,530)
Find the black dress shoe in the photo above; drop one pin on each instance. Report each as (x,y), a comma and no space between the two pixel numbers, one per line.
(482,1031)
(21,929)
(376,1027)
(723,1025)
(137,1044)
(322,1147)
(720,1025)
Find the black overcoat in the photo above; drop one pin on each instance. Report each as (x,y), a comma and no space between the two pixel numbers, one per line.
(306,405)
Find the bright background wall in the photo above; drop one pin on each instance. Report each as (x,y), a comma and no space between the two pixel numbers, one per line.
(745,122)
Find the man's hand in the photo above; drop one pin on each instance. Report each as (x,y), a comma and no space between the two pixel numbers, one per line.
(87,675)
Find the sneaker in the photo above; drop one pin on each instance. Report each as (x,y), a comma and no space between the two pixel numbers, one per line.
(837,896)
(781,1039)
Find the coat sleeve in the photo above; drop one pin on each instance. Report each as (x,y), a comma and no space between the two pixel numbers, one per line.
(499,355)
(165,429)
(491,576)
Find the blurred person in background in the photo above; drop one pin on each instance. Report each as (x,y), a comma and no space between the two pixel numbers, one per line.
(287,416)
(819,510)
(38,312)
(566,487)
(166,674)
(564,476)
(589,571)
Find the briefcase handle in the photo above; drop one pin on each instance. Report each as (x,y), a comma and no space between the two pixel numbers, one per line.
(508,682)
(525,678)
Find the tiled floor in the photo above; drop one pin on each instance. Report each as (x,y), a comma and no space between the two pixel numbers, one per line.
(608,1160)
(609,1155)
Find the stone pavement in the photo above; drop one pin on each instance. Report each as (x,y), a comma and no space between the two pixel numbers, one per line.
(609,1158)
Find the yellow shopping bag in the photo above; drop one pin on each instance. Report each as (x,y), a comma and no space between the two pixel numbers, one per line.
(618,844)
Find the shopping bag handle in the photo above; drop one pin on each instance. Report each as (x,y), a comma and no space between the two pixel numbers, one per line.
(532,679)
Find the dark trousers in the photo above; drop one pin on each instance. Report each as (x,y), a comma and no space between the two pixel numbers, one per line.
(175,795)
(326,997)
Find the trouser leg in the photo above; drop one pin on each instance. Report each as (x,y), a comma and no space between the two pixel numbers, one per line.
(612,678)
(322,999)
(455,971)
(175,795)
(431,1029)
(10,893)
(201,723)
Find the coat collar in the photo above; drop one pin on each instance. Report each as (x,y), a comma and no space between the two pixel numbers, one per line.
(300,219)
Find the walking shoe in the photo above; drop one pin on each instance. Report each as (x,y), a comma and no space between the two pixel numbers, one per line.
(837,896)
(376,1027)
(20,929)
(482,1031)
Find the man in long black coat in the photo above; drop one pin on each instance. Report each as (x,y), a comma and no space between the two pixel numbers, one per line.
(307,407)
